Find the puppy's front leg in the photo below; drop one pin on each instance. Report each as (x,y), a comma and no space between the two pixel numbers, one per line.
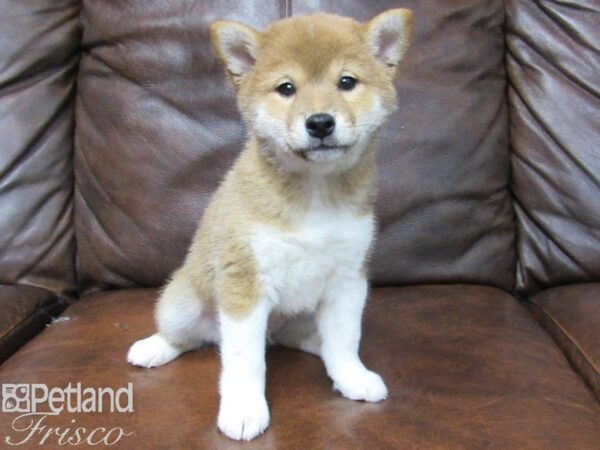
(339,323)
(243,413)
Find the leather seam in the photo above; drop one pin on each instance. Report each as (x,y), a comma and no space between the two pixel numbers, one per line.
(568,336)
(560,331)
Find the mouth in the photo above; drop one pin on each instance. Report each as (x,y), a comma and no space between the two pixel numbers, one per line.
(320,152)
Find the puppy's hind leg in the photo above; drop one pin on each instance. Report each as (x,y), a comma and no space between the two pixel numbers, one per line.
(300,333)
(183,324)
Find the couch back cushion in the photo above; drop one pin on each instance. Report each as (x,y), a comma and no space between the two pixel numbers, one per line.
(553,60)
(157,128)
(38,62)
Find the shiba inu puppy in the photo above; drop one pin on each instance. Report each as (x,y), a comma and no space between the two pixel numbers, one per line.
(280,252)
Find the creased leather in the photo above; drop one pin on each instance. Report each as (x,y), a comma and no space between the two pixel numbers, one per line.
(444,209)
(553,65)
(157,128)
(38,61)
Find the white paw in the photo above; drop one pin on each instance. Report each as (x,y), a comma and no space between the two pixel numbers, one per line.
(244,418)
(152,351)
(362,385)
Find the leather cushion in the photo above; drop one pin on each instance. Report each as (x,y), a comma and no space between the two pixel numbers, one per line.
(157,128)
(24,311)
(39,44)
(571,314)
(466,367)
(553,58)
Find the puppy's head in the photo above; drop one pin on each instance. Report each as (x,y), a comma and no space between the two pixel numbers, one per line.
(313,89)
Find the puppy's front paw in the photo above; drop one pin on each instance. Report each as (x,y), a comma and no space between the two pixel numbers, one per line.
(362,385)
(152,351)
(244,418)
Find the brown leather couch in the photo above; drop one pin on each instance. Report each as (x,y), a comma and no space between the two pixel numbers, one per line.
(117,123)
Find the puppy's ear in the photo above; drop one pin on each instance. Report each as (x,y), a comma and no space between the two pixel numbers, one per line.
(388,35)
(237,46)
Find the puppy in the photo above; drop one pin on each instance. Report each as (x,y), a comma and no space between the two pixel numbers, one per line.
(287,233)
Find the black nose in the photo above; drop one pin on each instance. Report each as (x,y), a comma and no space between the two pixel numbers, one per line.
(320,125)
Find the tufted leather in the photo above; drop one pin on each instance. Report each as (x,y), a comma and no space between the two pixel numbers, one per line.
(157,128)
(553,59)
(466,366)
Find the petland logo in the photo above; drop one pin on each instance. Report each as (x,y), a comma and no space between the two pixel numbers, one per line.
(36,402)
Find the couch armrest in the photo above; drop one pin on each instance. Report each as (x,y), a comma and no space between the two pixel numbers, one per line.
(24,311)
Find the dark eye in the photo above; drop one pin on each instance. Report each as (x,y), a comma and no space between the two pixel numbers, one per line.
(347,83)
(286,89)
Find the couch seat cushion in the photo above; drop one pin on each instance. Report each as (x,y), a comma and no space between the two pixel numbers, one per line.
(466,366)
(24,310)
(571,314)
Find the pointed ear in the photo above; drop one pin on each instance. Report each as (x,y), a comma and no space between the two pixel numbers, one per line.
(388,35)
(236,45)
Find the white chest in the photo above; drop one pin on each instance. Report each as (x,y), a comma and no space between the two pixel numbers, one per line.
(294,267)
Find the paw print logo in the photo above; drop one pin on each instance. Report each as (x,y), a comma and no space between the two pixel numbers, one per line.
(16,398)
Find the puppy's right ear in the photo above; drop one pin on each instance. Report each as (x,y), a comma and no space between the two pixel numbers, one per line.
(237,47)
(388,35)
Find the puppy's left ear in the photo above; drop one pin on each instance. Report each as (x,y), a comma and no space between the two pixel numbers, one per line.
(237,47)
(388,35)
